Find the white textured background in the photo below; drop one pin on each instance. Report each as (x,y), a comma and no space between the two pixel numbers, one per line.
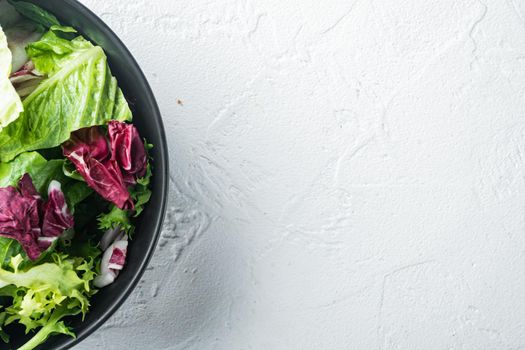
(345,175)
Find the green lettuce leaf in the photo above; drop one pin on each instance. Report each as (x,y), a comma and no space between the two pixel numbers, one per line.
(12,171)
(79,92)
(8,249)
(35,13)
(10,103)
(53,52)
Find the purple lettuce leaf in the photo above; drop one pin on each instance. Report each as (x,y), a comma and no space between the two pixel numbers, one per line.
(57,217)
(88,150)
(127,149)
(26,218)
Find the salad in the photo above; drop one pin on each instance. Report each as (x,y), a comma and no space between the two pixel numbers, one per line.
(74,173)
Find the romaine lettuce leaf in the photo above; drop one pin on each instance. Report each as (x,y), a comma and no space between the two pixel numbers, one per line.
(10,103)
(54,52)
(79,92)
(11,172)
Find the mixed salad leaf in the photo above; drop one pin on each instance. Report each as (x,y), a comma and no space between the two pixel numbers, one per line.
(74,173)
(80,84)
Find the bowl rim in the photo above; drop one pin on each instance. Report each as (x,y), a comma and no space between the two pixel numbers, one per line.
(161,158)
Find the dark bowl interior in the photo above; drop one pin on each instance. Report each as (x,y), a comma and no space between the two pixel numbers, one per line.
(148,120)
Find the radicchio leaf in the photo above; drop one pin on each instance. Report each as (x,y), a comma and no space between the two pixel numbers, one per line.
(25,217)
(127,149)
(93,141)
(57,217)
(88,150)
(27,189)
(19,220)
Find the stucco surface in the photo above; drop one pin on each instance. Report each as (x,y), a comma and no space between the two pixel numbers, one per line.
(344,174)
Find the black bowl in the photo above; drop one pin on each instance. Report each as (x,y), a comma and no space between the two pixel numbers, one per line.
(148,120)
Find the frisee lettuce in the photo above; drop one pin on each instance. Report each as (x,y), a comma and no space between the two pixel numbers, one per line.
(44,294)
(116,217)
(140,193)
